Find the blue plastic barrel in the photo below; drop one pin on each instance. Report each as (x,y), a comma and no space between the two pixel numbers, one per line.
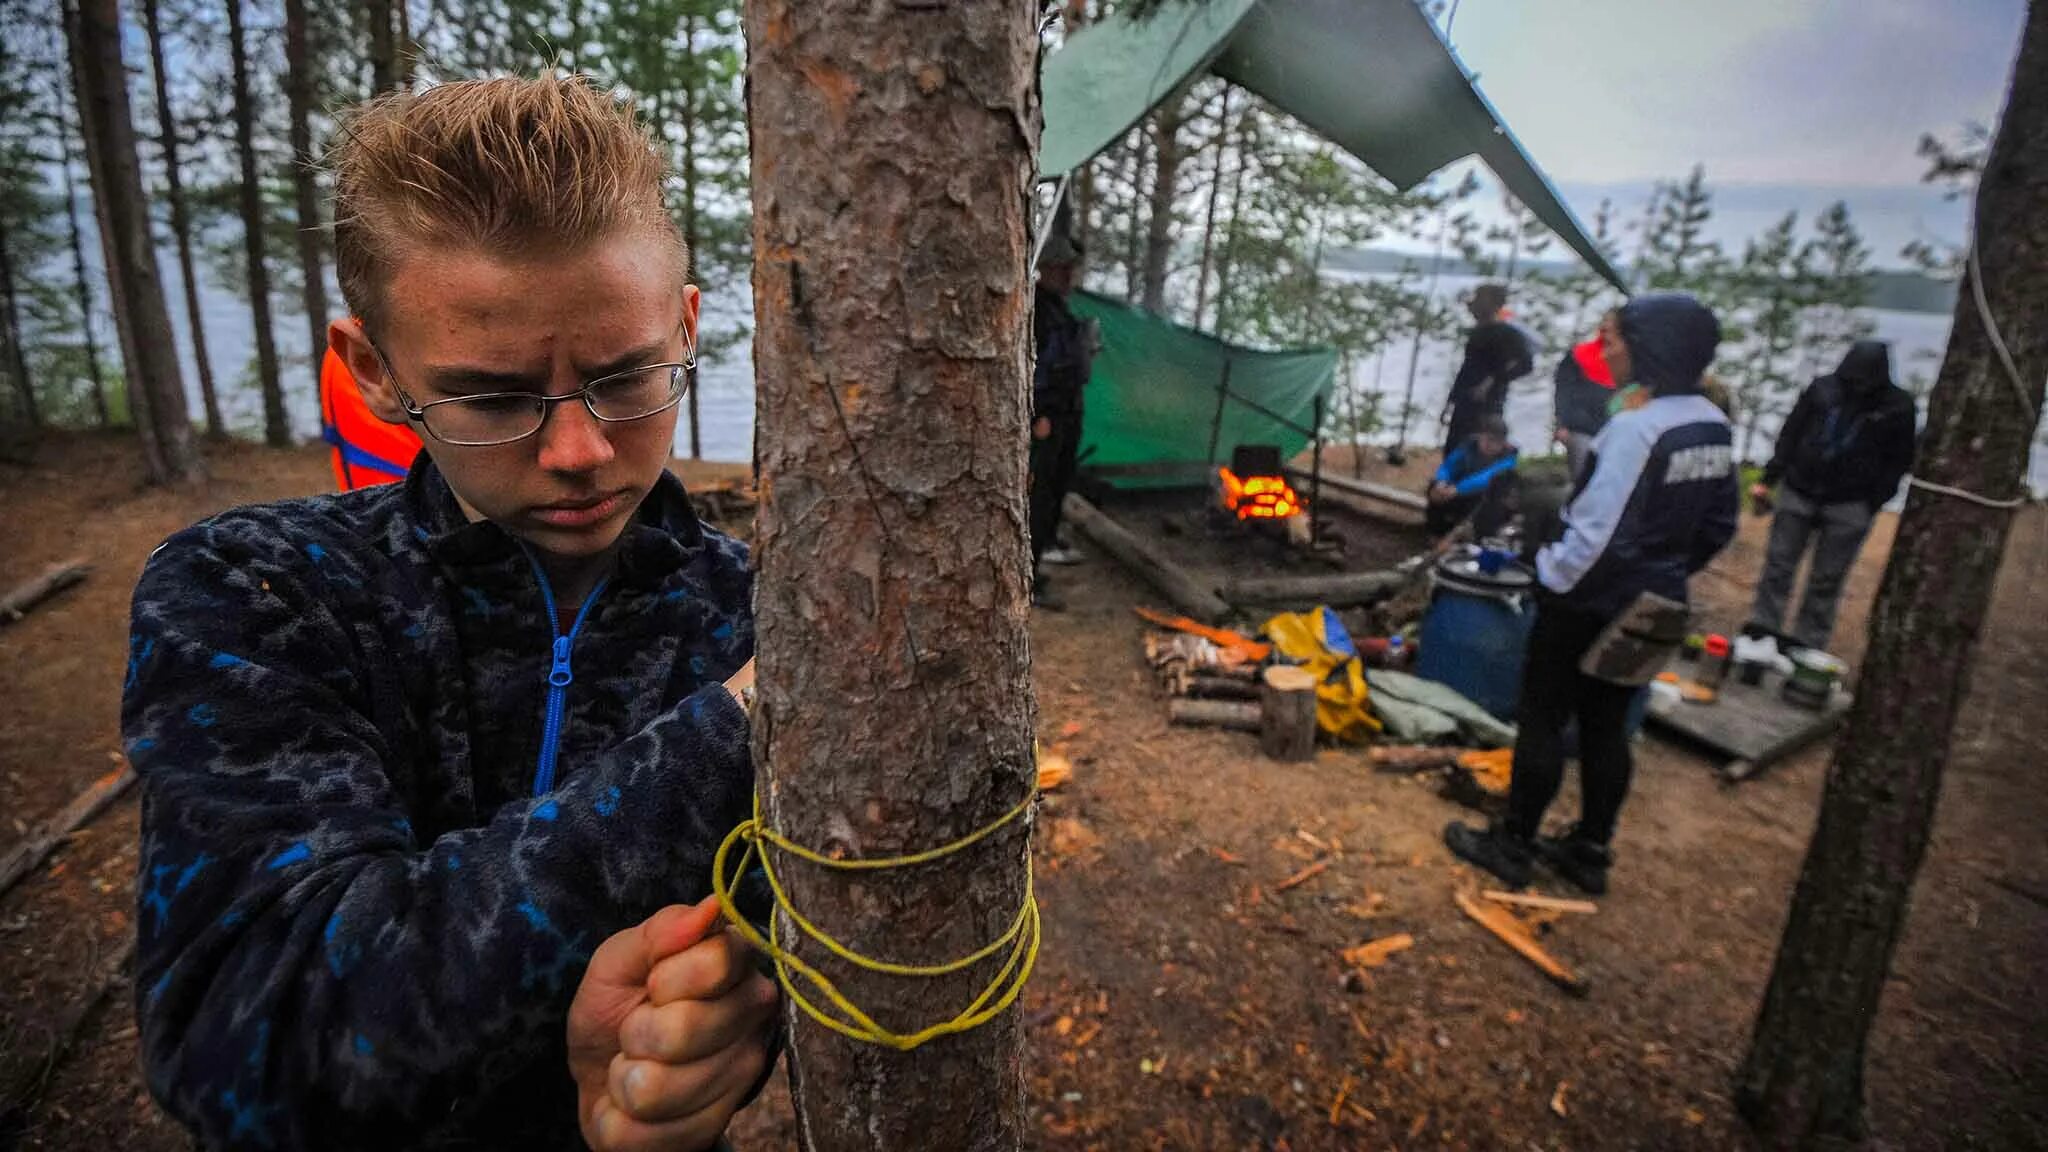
(1476,632)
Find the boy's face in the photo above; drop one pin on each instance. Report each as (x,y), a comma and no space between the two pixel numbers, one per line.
(465,322)
(1614,350)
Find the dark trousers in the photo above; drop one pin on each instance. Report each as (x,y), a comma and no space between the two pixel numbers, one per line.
(1052,474)
(1555,692)
(1490,511)
(1835,532)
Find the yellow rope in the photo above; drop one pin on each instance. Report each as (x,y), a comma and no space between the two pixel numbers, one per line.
(846,1018)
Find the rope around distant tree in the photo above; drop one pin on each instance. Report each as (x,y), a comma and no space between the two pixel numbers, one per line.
(846,1018)
(2012,374)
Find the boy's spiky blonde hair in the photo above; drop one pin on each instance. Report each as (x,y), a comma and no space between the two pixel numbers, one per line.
(508,165)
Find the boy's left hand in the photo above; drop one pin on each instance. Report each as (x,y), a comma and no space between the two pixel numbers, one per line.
(668,1033)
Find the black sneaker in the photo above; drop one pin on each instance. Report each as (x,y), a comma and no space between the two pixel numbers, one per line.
(1046,598)
(1495,849)
(1578,861)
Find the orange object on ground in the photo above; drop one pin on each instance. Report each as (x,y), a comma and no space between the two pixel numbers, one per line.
(366,450)
(1251,649)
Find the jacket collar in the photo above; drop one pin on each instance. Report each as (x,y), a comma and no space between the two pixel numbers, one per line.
(663,533)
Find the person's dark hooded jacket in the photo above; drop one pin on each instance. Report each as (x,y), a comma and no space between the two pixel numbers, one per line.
(1850,437)
(390,808)
(1660,496)
(1585,387)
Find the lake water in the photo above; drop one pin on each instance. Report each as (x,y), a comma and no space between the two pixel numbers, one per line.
(726,384)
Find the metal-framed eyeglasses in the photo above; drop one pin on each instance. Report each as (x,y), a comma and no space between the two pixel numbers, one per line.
(492,418)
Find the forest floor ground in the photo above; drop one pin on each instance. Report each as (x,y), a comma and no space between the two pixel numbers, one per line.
(1183,1001)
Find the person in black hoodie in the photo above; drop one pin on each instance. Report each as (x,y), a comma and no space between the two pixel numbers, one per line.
(1585,388)
(1659,499)
(1839,458)
(1065,353)
(1496,355)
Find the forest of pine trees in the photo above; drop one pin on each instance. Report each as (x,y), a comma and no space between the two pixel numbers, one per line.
(1217,211)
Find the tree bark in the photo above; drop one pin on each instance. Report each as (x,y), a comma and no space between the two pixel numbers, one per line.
(181,219)
(277,430)
(690,237)
(156,393)
(1166,126)
(407,65)
(892,164)
(10,336)
(1226,259)
(1801,1084)
(1215,194)
(81,283)
(1141,151)
(383,53)
(299,94)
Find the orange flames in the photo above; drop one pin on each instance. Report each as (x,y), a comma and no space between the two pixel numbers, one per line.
(1258,497)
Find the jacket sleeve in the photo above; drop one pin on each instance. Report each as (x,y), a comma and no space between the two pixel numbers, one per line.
(1718,526)
(1447,472)
(310,972)
(1623,452)
(1895,454)
(1790,435)
(1477,483)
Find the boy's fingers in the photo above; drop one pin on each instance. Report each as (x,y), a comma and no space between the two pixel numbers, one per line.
(612,1130)
(706,970)
(678,927)
(695,1029)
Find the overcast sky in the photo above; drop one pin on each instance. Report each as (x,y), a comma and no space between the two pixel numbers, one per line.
(1792,101)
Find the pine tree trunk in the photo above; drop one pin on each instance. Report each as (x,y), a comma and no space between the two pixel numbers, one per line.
(11,356)
(81,283)
(1141,152)
(690,238)
(299,94)
(156,393)
(1226,260)
(277,430)
(181,220)
(1801,1084)
(892,164)
(1215,194)
(383,54)
(1166,125)
(408,49)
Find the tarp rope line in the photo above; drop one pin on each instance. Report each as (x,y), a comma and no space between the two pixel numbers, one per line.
(2012,373)
(846,1018)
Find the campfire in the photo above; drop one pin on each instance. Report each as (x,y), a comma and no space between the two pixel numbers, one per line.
(1253,487)
(1259,497)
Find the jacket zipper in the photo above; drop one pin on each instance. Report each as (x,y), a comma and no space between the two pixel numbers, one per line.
(560,676)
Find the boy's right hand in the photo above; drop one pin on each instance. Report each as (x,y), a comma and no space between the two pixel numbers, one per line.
(668,1033)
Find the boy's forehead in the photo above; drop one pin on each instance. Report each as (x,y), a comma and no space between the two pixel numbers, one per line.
(464,303)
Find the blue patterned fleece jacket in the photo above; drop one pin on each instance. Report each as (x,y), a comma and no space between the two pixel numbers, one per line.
(391,807)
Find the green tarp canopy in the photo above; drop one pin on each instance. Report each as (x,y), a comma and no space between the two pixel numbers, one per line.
(1370,76)
(1152,397)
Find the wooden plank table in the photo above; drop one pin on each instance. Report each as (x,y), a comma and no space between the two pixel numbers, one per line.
(1751,727)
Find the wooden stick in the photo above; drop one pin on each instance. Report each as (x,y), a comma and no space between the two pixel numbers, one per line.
(1304,876)
(1547,903)
(1503,924)
(1233,714)
(1145,561)
(1386,494)
(54,579)
(1412,758)
(42,840)
(17,1099)
(1202,687)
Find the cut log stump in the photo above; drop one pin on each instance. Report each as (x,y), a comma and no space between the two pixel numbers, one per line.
(1288,728)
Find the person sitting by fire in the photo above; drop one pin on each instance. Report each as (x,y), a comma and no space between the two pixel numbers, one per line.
(1474,480)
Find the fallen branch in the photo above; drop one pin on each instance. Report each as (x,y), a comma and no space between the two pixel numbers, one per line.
(1511,932)
(1304,876)
(18,1098)
(1546,903)
(42,840)
(1411,759)
(54,579)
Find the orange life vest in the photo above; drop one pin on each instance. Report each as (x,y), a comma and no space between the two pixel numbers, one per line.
(366,449)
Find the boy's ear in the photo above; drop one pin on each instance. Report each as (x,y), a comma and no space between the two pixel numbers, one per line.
(347,341)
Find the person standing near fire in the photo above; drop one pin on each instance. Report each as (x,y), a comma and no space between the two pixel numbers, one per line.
(1496,355)
(1660,499)
(1065,346)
